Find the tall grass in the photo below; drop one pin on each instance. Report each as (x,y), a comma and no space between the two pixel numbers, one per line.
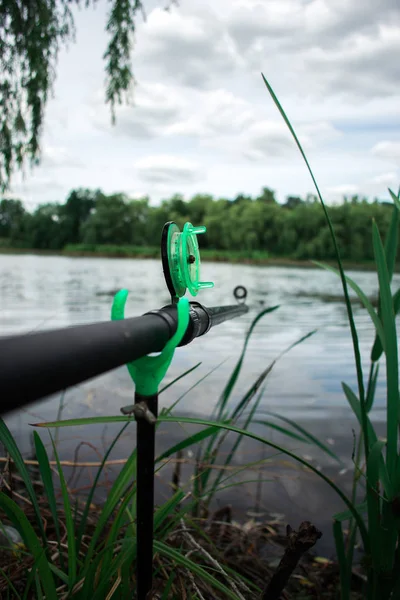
(95,557)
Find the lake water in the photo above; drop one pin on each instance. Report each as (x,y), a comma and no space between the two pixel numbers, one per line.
(39,292)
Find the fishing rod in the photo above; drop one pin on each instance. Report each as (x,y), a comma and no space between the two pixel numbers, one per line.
(35,365)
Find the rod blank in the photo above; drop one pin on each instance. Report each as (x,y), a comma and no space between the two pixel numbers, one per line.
(35,365)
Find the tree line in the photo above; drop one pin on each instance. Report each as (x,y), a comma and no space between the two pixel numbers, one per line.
(296,228)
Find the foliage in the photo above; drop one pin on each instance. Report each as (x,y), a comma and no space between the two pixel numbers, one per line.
(31,35)
(243,227)
(380,533)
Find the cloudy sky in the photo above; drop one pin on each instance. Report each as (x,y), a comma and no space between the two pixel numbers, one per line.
(202,119)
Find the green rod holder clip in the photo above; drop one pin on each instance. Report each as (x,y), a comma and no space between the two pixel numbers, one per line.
(148,372)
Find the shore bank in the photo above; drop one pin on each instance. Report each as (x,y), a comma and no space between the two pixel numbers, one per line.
(207,255)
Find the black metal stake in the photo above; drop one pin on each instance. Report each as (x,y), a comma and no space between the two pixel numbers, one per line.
(146,409)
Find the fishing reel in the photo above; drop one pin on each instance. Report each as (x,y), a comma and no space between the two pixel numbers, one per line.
(180,256)
(181,260)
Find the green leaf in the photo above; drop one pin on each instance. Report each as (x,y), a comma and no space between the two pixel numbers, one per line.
(392,363)
(235,374)
(10,585)
(232,452)
(390,253)
(47,478)
(189,441)
(283,430)
(118,490)
(204,575)
(167,509)
(344,568)
(372,385)
(181,376)
(11,447)
(395,199)
(86,421)
(354,335)
(306,434)
(345,515)
(356,408)
(367,304)
(249,434)
(373,503)
(83,520)
(168,586)
(59,573)
(69,523)
(396,302)
(21,523)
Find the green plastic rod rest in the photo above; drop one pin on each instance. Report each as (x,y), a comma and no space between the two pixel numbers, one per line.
(148,372)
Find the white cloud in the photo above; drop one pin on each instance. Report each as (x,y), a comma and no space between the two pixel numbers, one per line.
(386,179)
(192,49)
(388,151)
(154,107)
(167,169)
(59,157)
(345,189)
(200,102)
(266,139)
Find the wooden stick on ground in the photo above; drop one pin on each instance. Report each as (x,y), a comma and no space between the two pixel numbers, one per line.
(299,542)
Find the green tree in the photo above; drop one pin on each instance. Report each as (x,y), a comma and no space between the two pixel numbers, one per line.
(31,35)
(76,211)
(292,202)
(267,196)
(44,232)
(110,222)
(198,207)
(12,217)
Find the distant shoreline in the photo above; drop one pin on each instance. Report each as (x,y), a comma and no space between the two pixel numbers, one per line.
(255,258)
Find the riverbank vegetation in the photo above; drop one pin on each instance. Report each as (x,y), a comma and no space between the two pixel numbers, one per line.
(78,550)
(90,221)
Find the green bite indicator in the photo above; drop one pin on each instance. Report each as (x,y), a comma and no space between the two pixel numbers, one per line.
(181,259)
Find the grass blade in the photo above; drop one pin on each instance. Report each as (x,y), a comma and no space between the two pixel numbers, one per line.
(168,586)
(356,408)
(11,447)
(117,492)
(283,430)
(363,298)
(69,523)
(396,199)
(390,253)
(189,441)
(21,523)
(180,559)
(208,423)
(47,478)
(344,569)
(311,438)
(85,514)
(392,364)
(10,585)
(373,503)
(232,452)
(372,383)
(181,376)
(347,514)
(354,335)
(235,374)
(292,455)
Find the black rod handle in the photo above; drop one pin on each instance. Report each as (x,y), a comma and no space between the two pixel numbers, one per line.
(35,365)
